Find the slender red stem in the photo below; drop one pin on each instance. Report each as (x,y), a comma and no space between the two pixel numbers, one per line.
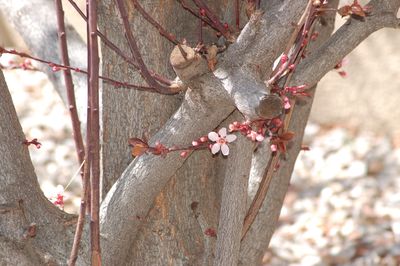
(118,51)
(237,14)
(75,127)
(136,53)
(196,13)
(169,36)
(213,18)
(94,129)
(58,67)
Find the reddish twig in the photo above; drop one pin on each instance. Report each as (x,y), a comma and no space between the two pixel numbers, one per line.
(58,67)
(140,147)
(171,37)
(81,218)
(136,54)
(196,13)
(237,14)
(222,28)
(94,129)
(200,41)
(118,51)
(76,127)
(34,142)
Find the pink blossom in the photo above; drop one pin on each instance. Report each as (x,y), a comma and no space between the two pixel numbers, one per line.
(58,200)
(254,136)
(221,140)
(286,103)
(274,147)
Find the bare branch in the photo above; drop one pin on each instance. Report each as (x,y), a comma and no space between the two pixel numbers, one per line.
(93,146)
(214,19)
(160,29)
(118,51)
(76,126)
(233,201)
(136,54)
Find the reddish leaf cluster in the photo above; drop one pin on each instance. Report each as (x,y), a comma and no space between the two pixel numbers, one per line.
(279,142)
(59,201)
(354,9)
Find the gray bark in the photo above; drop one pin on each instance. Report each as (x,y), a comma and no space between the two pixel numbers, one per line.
(159,208)
(22,203)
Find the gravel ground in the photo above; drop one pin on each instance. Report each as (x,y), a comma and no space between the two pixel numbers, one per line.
(342,207)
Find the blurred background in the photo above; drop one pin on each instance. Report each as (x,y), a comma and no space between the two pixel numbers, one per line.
(343,204)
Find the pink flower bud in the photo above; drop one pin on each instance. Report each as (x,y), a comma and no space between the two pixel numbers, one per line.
(203,139)
(274,147)
(195,143)
(284,58)
(184,154)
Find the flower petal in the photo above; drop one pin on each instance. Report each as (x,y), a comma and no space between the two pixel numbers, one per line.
(259,137)
(222,132)
(213,136)
(225,149)
(231,138)
(215,148)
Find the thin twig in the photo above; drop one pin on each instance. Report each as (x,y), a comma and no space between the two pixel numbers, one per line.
(197,14)
(94,128)
(136,53)
(81,218)
(237,14)
(57,67)
(76,127)
(171,37)
(213,18)
(184,54)
(292,40)
(119,52)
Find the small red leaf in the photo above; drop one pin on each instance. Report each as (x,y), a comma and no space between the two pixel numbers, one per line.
(287,136)
(345,10)
(139,147)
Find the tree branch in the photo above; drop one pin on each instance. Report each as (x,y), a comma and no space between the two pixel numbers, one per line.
(21,195)
(310,71)
(206,104)
(233,201)
(203,109)
(136,53)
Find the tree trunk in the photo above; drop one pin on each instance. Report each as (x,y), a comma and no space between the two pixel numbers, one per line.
(164,211)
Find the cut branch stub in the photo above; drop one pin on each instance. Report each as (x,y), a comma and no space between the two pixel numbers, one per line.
(187,63)
(270,106)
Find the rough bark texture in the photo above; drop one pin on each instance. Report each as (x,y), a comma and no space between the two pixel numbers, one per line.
(159,209)
(22,203)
